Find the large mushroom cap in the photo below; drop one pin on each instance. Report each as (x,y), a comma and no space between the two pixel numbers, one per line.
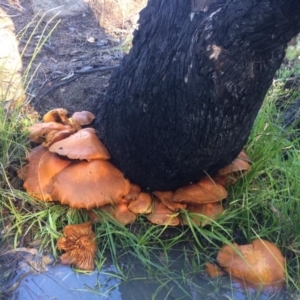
(79,242)
(41,168)
(83,145)
(260,262)
(90,184)
(205,191)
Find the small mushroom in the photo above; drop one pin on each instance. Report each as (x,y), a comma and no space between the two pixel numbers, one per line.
(260,262)
(205,191)
(41,168)
(83,145)
(58,115)
(56,136)
(79,243)
(39,131)
(90,184)
(231,173)
(82,118)
(202,214)
(161,215)
(167,199)
(122,214)
(141,205)
(134,192)
(213,270)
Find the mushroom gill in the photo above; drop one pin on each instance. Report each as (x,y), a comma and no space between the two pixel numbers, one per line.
(79,244)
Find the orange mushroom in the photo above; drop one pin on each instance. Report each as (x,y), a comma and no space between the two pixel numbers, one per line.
(58,115)
(79,243)
(41,168)
(56,136)
(260,263)
(231,173)
(213,270)
(82,118)
(83,144)
(202,214)
(90,184)
(141,205)
(161,215)
(167,199)
(134,192)
(122,214)
(205,191)
(39,131)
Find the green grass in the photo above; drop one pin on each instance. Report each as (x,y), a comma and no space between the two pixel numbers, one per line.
(265,204)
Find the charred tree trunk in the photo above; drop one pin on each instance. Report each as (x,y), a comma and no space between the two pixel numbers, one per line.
(184,99)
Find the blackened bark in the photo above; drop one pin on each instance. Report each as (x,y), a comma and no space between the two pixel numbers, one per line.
(184,99)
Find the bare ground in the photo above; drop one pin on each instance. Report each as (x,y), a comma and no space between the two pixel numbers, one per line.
(73,67)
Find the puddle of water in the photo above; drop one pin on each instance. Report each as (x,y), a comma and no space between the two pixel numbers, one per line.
(61,282)
(36,280)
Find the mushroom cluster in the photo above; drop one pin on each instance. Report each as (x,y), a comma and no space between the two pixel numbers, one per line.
(257,265)
(71,165)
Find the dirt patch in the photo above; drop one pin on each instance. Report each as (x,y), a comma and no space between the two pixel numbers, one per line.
(73,66)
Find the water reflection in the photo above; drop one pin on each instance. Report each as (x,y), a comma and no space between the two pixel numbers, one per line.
(61,282)
(37,280)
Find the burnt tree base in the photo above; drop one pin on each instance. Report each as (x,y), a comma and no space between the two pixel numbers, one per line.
(183,101)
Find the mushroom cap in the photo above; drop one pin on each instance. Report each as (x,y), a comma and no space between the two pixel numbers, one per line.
(202,214)
(260,262)
(161,215)
(238,165)
(122,214)
(38,131)
(56,115)
(167,199)
(80,244)
(134,192)
(82,117)
(41,168)
(83,145)
(141,205)
(213,270)
(90,184)
(231,173)
(205,191)
(56,136)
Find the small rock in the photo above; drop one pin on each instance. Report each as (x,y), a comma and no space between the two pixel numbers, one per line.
(61,7)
